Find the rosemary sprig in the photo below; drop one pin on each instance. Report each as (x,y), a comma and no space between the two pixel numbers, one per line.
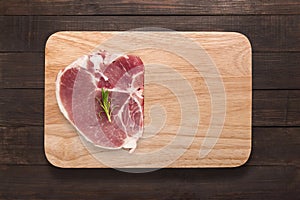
(105,103)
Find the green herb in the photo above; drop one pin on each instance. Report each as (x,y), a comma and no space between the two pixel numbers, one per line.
(105,104)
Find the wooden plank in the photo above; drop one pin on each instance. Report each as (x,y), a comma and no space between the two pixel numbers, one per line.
(276,108)
(22,70)
(22,145)
(266,33)
(270,107)
(47,182)
(156,7)
(276,71)
(21,107)
(287,143)
(270,70)
(25,146)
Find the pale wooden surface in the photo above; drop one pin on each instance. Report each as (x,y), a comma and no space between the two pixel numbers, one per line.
(231,52)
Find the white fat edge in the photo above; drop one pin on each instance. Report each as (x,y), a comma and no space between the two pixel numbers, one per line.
(82,61)
(110,58)
(97,60)
(117,90)
(57,92)
(139,93)
(135,90)
(138,103)
(141,110)
(131,90)
(105,77)
(130,143)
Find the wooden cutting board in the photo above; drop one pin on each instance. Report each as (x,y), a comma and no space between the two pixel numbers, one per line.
(185,101)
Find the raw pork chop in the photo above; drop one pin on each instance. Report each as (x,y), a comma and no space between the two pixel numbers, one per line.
(78,91)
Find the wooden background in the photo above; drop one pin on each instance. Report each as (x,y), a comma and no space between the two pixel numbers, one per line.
(273,169)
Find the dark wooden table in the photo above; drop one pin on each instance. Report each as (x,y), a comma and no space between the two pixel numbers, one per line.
(272,171)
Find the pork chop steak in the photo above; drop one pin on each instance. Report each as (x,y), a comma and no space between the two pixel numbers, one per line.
(101,95)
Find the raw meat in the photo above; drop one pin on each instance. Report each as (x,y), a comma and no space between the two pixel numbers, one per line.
(80,84)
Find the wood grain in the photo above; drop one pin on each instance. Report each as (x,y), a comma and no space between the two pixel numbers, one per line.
(17,142)
(27,68)
(156,7)
(21,107)
(269,70)
(63,147)
(24,145)
(284,111)
(286,140)
(276,71)
(271,108)
(29,33)
(251,182)
(274,36)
